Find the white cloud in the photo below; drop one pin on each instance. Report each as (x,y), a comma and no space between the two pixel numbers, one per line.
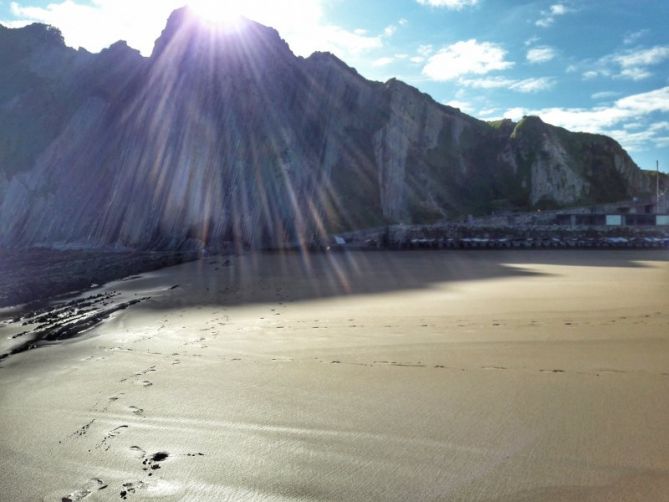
(662,142)
(464,58)
(487,83)
(595,120)
(527,85)
(530,85)
(417,59)
(659,126)
(460,94)
(463,106)
(609,120)
(643,57)
(425,50)
(548,17)
(15,24)
(330,38)
(590,74)
(637,140)
(390,30)
(531,41)
(631,64)
(647,102)
(516,113)
(558,9)
(449,4)
(634,73)
(487,112)
(99,24)
(633,37)
(385,61)
(605,95)
(541,54)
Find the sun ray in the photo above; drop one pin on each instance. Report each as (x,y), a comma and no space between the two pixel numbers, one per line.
(222,14)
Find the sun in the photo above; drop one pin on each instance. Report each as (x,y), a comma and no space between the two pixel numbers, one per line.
(218,12)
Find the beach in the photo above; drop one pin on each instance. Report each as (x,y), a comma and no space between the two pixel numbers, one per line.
(417,375)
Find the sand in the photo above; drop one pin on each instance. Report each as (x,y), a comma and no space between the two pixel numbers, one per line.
(492,376)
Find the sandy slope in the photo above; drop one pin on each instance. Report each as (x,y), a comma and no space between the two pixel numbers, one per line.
(367,376)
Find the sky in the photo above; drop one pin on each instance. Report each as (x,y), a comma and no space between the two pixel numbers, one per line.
(598,66)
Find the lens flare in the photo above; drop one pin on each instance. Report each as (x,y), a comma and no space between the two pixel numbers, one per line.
(217,12)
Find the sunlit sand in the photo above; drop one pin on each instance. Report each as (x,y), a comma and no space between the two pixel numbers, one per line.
(362,376)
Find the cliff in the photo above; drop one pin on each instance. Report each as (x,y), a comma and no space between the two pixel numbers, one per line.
(227,136)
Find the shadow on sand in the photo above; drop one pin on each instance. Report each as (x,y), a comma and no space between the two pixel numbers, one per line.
(264,278)
(293,277)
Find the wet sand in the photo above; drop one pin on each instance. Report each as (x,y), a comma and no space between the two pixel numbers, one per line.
(492,376)
(33,275)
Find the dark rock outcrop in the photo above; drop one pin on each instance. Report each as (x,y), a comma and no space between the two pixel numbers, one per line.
(225,135)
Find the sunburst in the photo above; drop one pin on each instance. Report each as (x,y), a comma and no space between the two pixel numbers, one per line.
(221,13)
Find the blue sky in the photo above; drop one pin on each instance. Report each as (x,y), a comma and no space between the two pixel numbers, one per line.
(597,65)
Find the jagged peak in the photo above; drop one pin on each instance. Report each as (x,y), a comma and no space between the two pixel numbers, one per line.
(530,128)
(531,120)
(121,47)
(38,31)
(328,57)
(501,123)
(320,62)
(394,84)
(186,22)
(504,127)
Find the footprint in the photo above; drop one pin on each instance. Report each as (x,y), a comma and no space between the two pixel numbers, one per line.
(83,430)
(130,488)
(110,401)
(409,365)
(147,370)
(137,411)
(104,444)
(91,486)
(89,358)
(138,451)
(145,383)
(152,463)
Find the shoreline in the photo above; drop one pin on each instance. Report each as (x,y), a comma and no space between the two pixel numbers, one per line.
(29,278)
(68,315)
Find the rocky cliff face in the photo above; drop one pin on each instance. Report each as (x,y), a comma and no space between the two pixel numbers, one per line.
(227,136)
